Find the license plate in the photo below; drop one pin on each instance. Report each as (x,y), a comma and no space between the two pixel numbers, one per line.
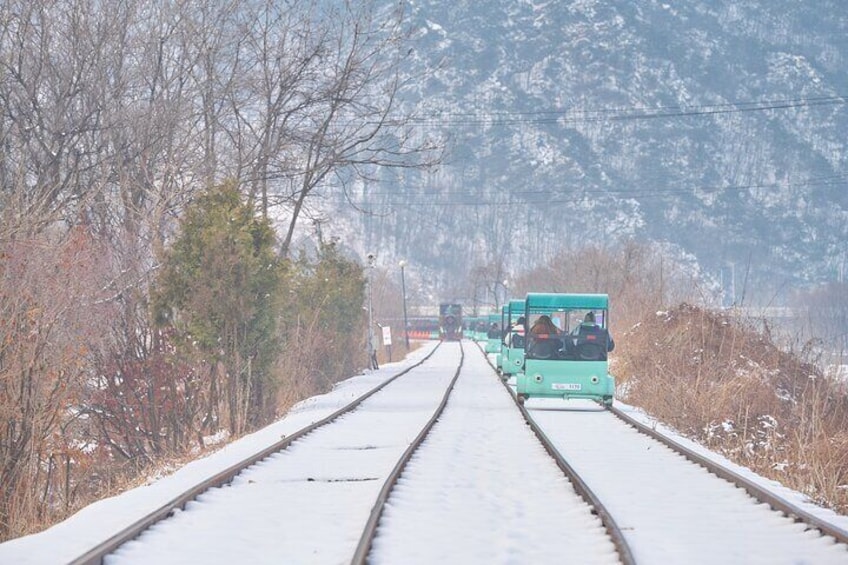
(566,386)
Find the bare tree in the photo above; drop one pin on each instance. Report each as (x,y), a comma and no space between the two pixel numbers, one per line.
(639,278)
(280,54)
(52,60)
(329,111)
(112,119)
(50,318)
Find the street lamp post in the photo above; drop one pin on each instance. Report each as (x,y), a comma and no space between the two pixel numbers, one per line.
(403,292)
(372,353)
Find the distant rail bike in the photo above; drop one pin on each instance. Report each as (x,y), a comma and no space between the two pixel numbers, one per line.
(469,326)
(479,329)
(493,333)
(566,344)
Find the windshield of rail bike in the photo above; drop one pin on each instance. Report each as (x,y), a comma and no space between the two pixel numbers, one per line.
(568,335)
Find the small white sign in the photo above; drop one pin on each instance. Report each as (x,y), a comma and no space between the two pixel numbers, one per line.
(566,386)
(387,335)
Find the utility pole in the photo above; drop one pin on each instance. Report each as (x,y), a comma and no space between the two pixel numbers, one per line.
(403,292)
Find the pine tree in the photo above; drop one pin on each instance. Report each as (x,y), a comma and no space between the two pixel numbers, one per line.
(218,289)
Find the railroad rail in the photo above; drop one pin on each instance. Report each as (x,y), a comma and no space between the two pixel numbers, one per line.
(96,555)
(612,528)
(360,556)
(758,492)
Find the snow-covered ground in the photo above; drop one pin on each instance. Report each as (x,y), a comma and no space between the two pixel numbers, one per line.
(310,502)
(479,490)
(99,521)
(792,496)
(673,511)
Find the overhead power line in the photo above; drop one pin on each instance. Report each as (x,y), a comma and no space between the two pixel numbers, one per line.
(573,116)
(553,196)
(578,115)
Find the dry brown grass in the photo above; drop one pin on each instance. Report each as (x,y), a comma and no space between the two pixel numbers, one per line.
(730,388)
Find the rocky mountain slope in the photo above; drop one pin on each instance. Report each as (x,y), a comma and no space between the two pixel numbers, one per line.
(717,127)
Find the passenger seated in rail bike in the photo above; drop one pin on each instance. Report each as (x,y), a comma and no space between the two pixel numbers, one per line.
(545,339)
(494,331)
(515,334)
(592,342)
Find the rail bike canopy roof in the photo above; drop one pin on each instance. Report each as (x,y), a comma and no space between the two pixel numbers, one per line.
(556,301)
(516,305)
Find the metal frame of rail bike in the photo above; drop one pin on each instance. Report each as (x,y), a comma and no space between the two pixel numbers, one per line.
(504,324)
(511,359)
(566,362)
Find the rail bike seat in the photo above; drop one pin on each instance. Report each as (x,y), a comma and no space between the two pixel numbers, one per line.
(592,347)
(547,347)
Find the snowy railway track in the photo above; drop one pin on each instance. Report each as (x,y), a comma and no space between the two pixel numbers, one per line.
(674,504)
(481,489)
(99,553)
(583,489)
(367,538)
(762,494)
(442,495)
(671,509)
(440,467)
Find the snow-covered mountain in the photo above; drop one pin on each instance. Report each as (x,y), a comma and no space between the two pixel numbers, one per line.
(716,126)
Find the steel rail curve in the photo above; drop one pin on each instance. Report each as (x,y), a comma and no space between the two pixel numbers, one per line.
(764,495)
(95,555)
(625,554)
(360,556)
